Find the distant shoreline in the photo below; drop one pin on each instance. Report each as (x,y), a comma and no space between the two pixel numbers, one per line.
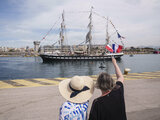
(38,55)
(17,56)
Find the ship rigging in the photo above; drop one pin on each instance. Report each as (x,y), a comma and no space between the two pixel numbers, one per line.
(87,53)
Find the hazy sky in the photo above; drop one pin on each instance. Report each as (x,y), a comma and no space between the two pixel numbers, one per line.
(25,21)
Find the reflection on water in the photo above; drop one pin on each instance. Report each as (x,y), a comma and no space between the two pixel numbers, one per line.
(76,68)
(33,67)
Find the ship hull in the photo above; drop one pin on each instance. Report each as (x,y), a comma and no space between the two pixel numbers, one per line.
(52,58)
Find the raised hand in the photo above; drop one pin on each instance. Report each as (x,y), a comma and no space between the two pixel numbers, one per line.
(114,60)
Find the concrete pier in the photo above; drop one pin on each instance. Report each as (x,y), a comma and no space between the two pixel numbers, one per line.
(142,98)
(35,82)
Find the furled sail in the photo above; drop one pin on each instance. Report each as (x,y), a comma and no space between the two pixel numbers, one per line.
(88,37)
(61,41)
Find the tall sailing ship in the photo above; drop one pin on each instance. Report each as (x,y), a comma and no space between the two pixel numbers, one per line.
(87,53)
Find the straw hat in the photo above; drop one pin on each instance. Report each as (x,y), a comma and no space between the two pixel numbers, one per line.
(78,89)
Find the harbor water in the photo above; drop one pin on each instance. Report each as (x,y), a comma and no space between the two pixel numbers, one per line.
(33,67)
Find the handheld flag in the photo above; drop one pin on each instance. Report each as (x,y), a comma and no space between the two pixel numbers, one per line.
(109,48)
(117,48)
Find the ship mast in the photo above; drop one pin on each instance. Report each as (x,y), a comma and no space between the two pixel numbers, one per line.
(89,36)
(62,32)
(107,34)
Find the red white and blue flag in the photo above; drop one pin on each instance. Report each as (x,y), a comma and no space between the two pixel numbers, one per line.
(119,36)
(117,48)
(109,48)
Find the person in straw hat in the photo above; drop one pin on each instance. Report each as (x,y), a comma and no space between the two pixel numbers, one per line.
(110,105)
(77,91)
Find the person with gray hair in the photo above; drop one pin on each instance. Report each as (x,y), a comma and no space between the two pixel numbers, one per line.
(111,104)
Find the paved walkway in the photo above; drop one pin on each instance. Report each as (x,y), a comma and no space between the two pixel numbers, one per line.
(54,81)
(142,98)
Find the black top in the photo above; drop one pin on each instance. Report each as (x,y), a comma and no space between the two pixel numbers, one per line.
(111,106)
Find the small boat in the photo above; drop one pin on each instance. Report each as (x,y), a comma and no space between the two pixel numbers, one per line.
(156,52)
(131,55)
(101,66)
